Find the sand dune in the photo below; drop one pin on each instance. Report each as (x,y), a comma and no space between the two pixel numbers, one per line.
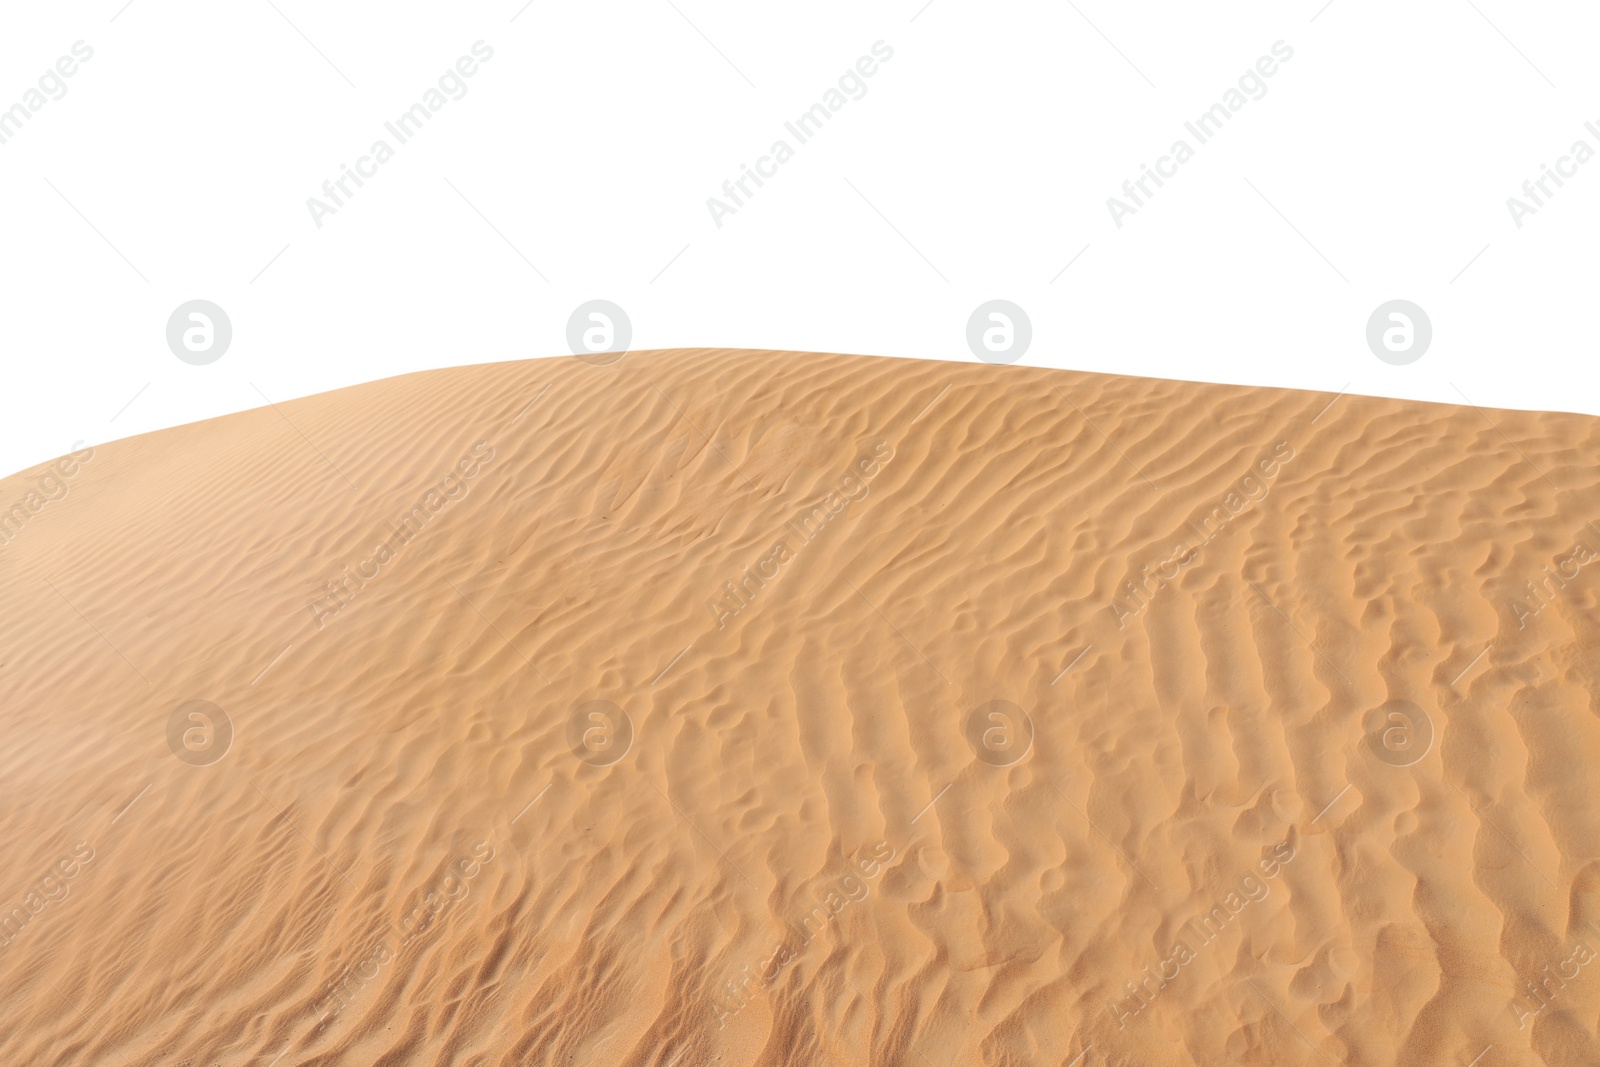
(756,708)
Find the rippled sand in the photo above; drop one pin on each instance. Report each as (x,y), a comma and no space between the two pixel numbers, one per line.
(738,708)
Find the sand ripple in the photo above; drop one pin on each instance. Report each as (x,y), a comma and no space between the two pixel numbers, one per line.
(760,708)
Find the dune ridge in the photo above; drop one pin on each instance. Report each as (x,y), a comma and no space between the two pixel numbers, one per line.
(770,708)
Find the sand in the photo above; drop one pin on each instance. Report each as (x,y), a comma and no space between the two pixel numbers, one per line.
(739,708)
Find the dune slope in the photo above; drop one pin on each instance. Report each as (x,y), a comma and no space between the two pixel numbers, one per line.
(759,708)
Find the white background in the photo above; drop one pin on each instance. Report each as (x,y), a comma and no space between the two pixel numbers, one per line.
(978,164)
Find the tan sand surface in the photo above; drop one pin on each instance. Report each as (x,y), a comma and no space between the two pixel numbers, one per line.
(754,708)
